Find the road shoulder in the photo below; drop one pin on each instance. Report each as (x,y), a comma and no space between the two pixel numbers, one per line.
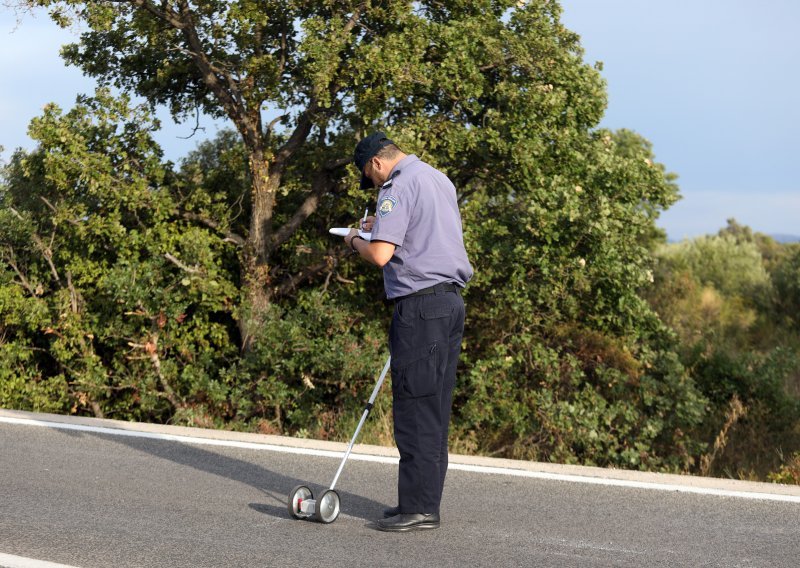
(575,473)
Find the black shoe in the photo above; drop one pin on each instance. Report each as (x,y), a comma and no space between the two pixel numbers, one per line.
(409,522)
(391,512)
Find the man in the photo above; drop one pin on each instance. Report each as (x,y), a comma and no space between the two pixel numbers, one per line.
(417,240)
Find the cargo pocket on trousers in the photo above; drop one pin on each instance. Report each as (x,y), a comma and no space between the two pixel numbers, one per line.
(414,375)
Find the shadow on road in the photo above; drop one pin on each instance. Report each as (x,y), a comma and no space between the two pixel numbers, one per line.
(274,485)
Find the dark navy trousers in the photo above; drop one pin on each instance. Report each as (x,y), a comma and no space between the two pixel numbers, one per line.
(425,343)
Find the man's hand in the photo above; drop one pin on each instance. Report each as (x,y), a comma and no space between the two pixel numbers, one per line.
(366,225)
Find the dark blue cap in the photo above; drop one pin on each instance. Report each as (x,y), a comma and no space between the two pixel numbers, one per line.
(365,150)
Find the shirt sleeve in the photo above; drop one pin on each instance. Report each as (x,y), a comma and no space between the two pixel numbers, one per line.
(392,215)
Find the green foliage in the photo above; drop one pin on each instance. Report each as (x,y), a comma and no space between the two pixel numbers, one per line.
(312,360)
(733,267)
(21,383)
(567,361)
(786,279)
(576,407)
(129,299)
(724,297)
(118,300)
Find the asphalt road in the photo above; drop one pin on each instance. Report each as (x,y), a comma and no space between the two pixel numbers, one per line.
(96,500)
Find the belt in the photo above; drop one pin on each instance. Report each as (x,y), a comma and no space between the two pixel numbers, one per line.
(435,289)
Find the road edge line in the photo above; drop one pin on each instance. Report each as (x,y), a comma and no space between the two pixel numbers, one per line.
(11,561)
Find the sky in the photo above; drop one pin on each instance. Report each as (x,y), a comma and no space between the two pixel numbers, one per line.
(713,84)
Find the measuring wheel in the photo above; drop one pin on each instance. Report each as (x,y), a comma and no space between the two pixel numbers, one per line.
(297,496)
(301,504)
(327,507)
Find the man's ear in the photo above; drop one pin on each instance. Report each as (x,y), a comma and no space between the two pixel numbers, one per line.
(376,163)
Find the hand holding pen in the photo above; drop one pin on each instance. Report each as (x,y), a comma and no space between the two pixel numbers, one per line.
(367,222)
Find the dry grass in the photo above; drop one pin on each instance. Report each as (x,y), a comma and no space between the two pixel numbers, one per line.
(789,472)
(736,410)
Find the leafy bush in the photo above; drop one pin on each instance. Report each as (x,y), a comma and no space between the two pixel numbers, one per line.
(789,472)
(733,267)
(718,294)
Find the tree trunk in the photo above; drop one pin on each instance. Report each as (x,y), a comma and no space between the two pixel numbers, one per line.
(256,295)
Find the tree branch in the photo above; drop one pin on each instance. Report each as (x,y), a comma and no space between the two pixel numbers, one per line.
(217,80)
(163,14)
(47,253)
(305,122)
(273,122)
(355,17)
(331,261)
(24,281)
(282,62)
(151,348)
(190,269)
(73,294)
(319,187)
(301,132)
(230,236)
(196,126)
(506,59)
(54,210)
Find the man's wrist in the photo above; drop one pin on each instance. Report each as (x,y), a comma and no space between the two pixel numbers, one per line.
(353,242)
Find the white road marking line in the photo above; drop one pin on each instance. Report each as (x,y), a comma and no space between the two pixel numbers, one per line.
(390,460)
(10,561)
(627,483)
(196,440)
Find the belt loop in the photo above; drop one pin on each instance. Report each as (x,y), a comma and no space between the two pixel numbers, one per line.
(438,289)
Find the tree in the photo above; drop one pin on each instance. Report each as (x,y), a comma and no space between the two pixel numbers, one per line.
(335,68)
(726,298)
(122,294)
(567,361)
(734,267)
(113,301)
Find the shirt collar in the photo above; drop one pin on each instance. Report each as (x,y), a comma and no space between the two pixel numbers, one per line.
(398,169)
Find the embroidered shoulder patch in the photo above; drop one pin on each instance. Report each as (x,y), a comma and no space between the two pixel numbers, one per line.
(386,206)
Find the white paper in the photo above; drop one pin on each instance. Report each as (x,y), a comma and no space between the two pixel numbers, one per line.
(344,231)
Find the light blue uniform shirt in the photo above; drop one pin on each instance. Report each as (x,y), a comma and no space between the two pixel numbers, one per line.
(418,212)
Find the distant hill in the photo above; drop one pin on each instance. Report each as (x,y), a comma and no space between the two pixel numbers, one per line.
(786,238)
(779,237)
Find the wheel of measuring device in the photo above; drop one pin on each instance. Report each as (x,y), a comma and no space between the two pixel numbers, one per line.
(327,507)
(297,496)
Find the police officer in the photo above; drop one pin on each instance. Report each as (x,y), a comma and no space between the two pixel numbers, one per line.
(417,240)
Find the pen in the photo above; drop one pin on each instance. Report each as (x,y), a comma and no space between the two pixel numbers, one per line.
(364,220)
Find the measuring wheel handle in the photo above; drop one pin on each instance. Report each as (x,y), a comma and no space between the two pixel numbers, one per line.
(296,497)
